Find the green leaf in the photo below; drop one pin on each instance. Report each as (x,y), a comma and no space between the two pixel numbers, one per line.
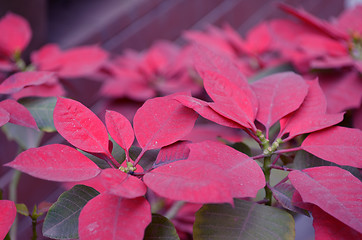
(62,218)
(241,147)
(22,209)
(24,136)
(160,228)
(246,220)
(42,110)
(100,162)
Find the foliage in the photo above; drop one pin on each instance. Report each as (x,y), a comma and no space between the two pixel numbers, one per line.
(149,178)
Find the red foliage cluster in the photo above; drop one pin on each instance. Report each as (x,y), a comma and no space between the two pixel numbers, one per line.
(282,113)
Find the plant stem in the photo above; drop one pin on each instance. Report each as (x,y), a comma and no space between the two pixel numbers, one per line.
(281,168)
(288,150)
(267,171)
(139,156)
(34,223)
(13,197)
(171,213)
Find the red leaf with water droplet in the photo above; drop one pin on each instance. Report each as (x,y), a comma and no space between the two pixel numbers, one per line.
(192,181)
(336,144)
(327,227)
(121,218)
(311,116)
(334,190)
(8,213)
(275,97)
(55,162)
(18,81)
(18,114)
(122,184)
(245,177)
(227,86)
(120,129)
(162,121)
(15,34)
(80,126)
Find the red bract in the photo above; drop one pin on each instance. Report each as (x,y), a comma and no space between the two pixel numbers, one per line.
(80,126)
(13,112)
(192,181)
(56,163)
(4,117)
(223,41)
(26,84)
(334,190)
(336,144)
(15,34)
(335,45)
(203,108)
(343,90)
(120,129)
(108,216)
(227,87)
(244,174)
(275,100)
(162,121)
(8,211)
(122,184)
(210,167)
(328,227)
(162,70)
(76,62)
(311,116)
(21,80)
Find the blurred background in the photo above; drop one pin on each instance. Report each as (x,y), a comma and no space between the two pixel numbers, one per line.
(116,25)
(120,24)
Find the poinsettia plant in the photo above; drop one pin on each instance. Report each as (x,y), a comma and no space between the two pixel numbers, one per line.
(279,151)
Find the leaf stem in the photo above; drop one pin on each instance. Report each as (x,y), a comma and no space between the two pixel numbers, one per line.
(139,156)
(34,223)
(267,171)
(276,159)
(13,197)
(114,161)
(281,168)
(282,181)
(288,150)
(252,136)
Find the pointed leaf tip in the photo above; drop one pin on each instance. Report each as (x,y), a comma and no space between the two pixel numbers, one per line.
(275,98)
(162,121)
(227,86)
(120,129)
(80,126)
